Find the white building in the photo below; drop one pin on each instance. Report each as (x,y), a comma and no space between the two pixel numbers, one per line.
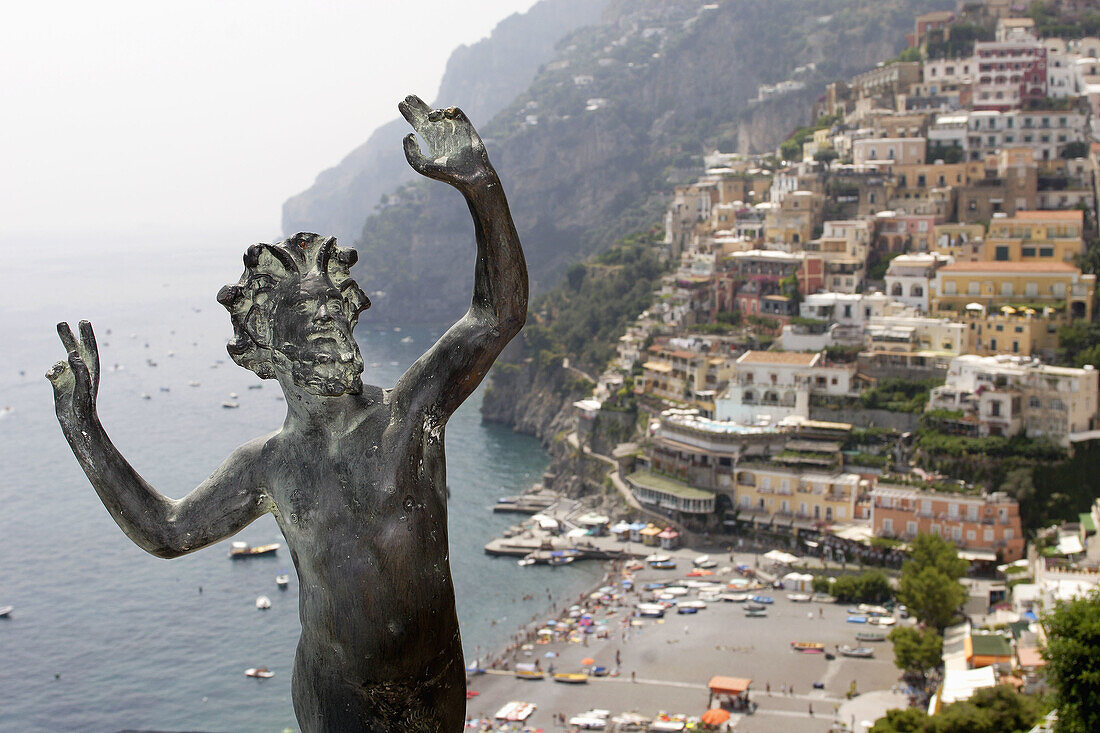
(1009,394)
(770,385)
(909,277)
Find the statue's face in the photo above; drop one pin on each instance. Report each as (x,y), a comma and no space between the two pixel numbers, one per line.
(312,337)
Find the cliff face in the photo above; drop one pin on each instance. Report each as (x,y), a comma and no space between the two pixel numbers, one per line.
(482,78)
(533,402)
(586,150)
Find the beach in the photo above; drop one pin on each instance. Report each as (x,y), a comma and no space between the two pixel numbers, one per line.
(664,664)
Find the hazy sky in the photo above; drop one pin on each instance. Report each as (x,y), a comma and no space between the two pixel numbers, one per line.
(203,114)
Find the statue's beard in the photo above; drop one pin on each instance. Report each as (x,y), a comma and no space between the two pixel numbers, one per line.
(327,366)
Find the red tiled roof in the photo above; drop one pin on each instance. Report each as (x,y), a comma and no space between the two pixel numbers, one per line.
(777,357)
(1068,215)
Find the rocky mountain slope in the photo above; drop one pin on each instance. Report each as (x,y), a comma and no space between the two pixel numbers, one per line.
(588,150)
(482,78)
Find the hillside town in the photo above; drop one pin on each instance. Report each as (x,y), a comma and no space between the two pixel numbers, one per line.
(857,326)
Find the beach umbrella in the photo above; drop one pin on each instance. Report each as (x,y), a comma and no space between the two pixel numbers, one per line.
(715,716)
(587,662)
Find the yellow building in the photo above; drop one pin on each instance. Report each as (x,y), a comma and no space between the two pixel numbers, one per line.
(1008,331)
(1038,285)
(771,490)
(1036,236)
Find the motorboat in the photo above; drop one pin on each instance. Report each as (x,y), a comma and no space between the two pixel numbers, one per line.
(734,597)
(856,619)
(799,597)
(865,652)
(263,603)
(697,605)
(240,550)
(882,620)
(5,611)
(755,607)
(230,405)
(651,610)
(281,580)
(763,599)
(704,562)
(571,678)
(525,561)
(808,647)
(684,610)
(657,557)
(590,720)
(664,565)
(754,613)
(870,636)
(262,673)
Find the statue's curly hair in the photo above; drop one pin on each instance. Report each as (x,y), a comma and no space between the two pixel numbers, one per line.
(249,301)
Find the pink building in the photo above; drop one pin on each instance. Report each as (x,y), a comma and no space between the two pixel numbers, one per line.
(1010,73)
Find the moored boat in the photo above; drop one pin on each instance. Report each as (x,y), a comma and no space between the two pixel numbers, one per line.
(281,580)
(756,614)
(529,672)
(865,652)
(808,647)
(799,597)
(571,678)
(263,603)
(5,611)
(262,673)
(239,550)
(870,636)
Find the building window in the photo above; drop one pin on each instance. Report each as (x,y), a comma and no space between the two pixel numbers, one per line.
(888,525)
(1027,251)
(987,535)
(911,528)
(973,288)
(970,535)
(1008,533)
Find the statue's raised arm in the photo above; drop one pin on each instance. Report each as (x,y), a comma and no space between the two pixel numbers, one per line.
(223,504)
(452,369)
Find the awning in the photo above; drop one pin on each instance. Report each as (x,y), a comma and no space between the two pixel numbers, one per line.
(974,555)
(650,531)
(783,558)
(1069,544)
(669,534)
(729,685)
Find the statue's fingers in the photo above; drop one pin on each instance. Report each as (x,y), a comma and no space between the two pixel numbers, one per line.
(67,338)
(91,349)
(56,373)
(417,160)
(80,372)
(454,113)
(413,109)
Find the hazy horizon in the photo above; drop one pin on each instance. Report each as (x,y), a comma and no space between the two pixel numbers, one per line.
(128,118)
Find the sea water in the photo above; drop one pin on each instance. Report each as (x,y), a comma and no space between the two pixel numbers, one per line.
(105,637)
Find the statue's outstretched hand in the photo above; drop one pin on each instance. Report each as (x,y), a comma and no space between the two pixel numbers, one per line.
(76,381)
(456,154)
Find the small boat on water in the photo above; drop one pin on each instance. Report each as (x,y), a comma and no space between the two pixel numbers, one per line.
(755,607)
(750,613)
(525,561)
(263,603)
(870,636)
(799,597)
(230,405)
(865,652)
(856,619)
(239,550)
(664,565)
(281,580)
(571,678)
(5,611)
(882,620)
(808,647)
(262,673)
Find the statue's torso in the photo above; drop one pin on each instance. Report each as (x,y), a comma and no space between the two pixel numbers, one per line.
(365,518)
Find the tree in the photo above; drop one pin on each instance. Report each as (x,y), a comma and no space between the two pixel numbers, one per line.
(929,582)
(991,710)
(1071,653)
(870,587)
(916,652)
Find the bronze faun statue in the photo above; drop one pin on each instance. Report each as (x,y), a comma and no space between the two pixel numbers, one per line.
(356,474)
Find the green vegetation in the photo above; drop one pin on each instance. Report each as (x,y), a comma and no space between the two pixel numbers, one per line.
(1079,344)
(1048,23)
(991,710)
(821,584)
(583,318)
(946,153)
(1073,646)
(870,587)
(957,41)
(929,583)
(917,652)
(791,148)
(899,395)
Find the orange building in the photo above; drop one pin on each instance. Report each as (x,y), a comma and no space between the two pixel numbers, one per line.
(985,527)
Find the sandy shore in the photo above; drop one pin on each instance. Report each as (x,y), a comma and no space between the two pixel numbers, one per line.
(666,663)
